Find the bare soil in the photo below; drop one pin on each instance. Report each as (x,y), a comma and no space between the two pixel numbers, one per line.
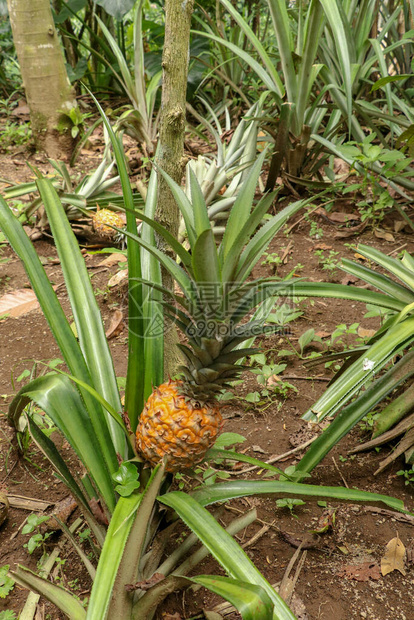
(339,577)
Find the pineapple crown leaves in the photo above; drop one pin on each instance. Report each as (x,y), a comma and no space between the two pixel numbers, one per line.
(229,265)
(210,321)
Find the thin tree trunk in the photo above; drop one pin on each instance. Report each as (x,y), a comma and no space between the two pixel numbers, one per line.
(48,90)
(172,125)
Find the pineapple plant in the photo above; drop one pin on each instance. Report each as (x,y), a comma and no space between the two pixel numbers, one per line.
(181,418)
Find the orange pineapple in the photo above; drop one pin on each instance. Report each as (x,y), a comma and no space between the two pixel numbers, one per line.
(177,426)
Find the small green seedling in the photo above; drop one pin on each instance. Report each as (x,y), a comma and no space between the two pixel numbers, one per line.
(290,504)
(38,540)
(272,259)
(329,262)
(8,615)
(6,583)
(408,474)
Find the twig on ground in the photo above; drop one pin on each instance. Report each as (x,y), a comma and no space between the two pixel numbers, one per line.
(286,252)
(397,249)
(292,377)
(340,473)
(257,536)
(398,516)
(287,585)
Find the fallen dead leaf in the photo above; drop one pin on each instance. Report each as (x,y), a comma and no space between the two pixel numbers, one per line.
(21,110)
(308,542)
(113,259)
(383,234)
(343,218)
(366,333)
(340,167)
(118,278)
(18,302)
(350,232)
(62,510)
(258,449)
(116,325)
(97,511)
(361,572)
(337,217)
(393,557)
(273,379)
(348,279)
(326,522)
(322,334)
(399,225)
(320,246)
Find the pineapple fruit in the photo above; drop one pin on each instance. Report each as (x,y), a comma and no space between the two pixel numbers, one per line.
(102,220)
(174,425)
(181,419)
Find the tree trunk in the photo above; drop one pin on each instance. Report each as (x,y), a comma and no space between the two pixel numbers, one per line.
(172,125)
(48,91)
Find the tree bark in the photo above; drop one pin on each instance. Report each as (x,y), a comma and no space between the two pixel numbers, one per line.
(48,91)
(171,140)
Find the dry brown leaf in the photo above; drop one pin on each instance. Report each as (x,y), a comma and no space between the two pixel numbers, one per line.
(18,302)
(348,279)
(326,521)
(273,379)
(340,167)
(116,325)
(366,333)
(361,572)
(97,511)
(393,557)
(62,510)
(118,278)
(113,259)
(322,334)
(21,110)
(399,225)
(342,218)
(321,246)
(308,542)
(350,232)
(382,234)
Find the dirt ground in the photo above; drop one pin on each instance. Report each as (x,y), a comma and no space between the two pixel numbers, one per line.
(336,575)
